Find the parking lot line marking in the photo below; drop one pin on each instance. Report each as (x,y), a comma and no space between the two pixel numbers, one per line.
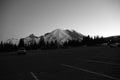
(102,62)
(34,76)
(81,69)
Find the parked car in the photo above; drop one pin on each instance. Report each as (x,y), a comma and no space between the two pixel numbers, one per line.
(21,51)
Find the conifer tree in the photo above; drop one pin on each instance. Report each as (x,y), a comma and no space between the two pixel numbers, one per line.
(21,43)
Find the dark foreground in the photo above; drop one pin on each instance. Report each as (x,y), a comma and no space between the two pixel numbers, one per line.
(85,63)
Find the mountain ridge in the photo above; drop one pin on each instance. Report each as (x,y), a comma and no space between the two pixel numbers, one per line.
(62,36)
(58,35)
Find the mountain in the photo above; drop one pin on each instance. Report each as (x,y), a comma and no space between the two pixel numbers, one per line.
(13,41)
(31,39)
(58,35)
(62,36)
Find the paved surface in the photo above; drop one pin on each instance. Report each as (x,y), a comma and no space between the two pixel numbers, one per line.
(61,66)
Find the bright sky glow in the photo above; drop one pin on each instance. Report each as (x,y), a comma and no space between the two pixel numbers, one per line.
(19,18)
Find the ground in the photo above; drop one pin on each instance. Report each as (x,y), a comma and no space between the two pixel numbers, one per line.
(81,63)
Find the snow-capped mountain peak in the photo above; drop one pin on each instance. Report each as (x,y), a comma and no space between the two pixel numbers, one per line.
(62,36)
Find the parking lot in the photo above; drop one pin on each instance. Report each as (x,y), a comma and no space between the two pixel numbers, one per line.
(88,63)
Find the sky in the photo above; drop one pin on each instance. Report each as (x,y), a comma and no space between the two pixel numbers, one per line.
(20,18)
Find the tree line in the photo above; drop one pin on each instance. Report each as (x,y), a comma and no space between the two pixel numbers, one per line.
(86,41)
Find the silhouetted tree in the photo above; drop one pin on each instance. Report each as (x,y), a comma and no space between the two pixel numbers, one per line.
(21,43)
(41,43)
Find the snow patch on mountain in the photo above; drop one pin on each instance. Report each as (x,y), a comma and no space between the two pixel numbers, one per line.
(13,41)
(75,35)
(31,39)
